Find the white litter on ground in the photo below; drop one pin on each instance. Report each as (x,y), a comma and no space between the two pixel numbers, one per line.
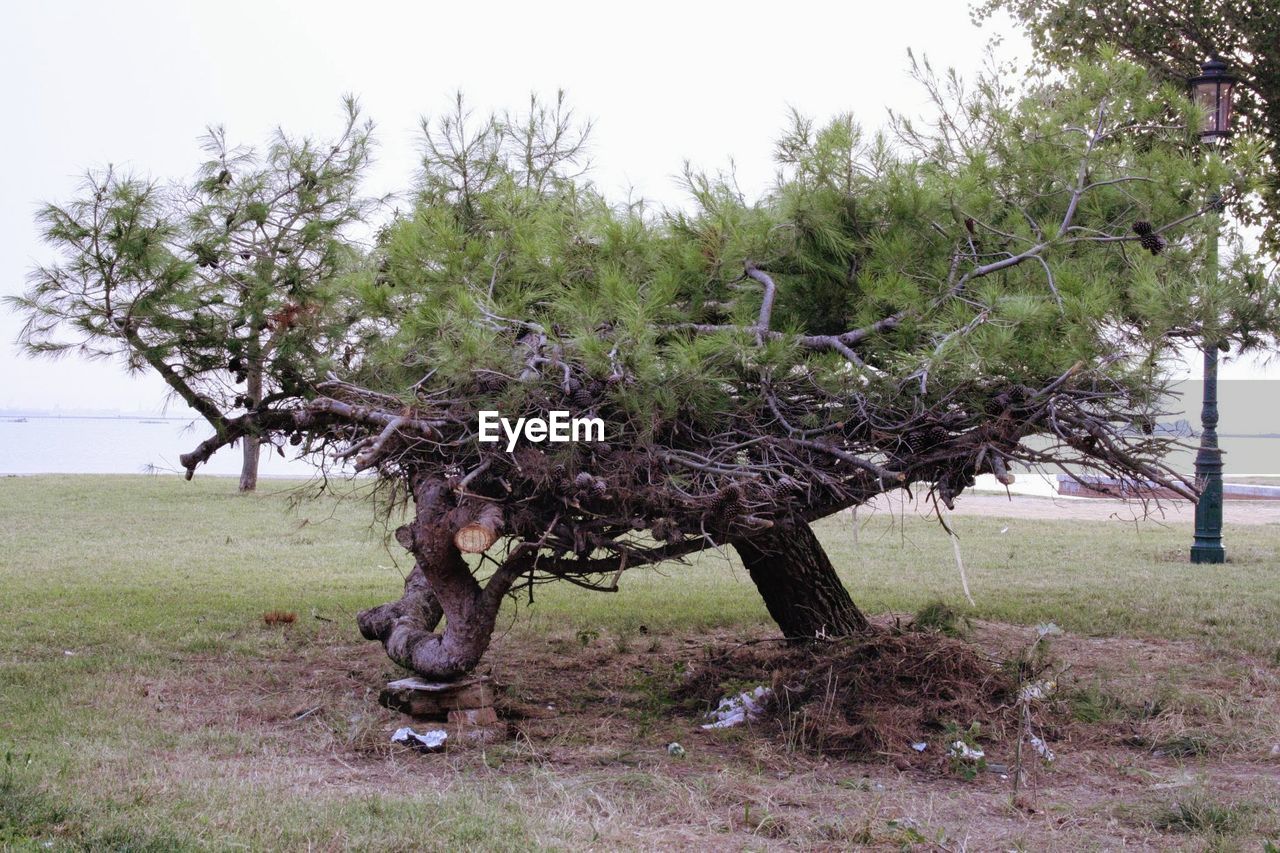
(735,710)
(920,746)
(432,741)
(1042,748)
(1037,690)
(960,749)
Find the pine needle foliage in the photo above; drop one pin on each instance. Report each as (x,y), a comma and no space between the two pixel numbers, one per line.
(225,283)
(1171,40)
(950,297)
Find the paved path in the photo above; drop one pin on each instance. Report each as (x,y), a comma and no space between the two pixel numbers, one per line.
(1085,509)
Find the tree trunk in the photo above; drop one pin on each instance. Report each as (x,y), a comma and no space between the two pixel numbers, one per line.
(252,444)
(418,605)
(799,585)
(440,585)
(249,468)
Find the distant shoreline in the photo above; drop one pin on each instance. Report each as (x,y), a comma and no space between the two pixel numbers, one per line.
(180,474)
(17,416)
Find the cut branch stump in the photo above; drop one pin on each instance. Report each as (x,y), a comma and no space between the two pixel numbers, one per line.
(480,533)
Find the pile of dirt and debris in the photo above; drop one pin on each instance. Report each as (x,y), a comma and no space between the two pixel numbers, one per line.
(875,694)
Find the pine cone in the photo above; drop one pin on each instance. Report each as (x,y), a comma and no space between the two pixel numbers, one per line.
(581,398)
(1153,243)
(1147,238)
(590,485)
(787,487)
(727,505)
(926,438)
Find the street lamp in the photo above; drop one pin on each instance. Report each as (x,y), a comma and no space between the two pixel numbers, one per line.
(1212,91)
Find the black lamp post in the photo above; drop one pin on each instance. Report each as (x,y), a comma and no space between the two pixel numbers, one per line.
(1212,91)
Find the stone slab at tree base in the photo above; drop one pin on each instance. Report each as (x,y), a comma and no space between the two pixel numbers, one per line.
(435,700)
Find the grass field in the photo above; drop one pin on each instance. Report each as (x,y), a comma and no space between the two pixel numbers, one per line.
(145,705)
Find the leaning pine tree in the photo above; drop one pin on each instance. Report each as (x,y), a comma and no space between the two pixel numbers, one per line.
(997,290)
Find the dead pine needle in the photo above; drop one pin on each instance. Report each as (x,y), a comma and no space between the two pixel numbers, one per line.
(873,694)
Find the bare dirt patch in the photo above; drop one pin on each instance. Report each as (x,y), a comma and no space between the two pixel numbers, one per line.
(1158,744)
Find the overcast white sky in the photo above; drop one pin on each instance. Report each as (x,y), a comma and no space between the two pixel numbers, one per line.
(135,83)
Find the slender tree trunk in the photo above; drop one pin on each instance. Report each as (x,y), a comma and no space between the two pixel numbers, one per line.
(800,587)
(252,444)
(249,467)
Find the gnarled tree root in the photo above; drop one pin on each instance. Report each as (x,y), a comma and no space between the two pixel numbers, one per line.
(418,608)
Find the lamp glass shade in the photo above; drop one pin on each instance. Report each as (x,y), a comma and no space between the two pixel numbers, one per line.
(1212,91)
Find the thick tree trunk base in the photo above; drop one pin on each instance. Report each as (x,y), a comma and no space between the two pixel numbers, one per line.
(800,587)
(407,627)
(440,585)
